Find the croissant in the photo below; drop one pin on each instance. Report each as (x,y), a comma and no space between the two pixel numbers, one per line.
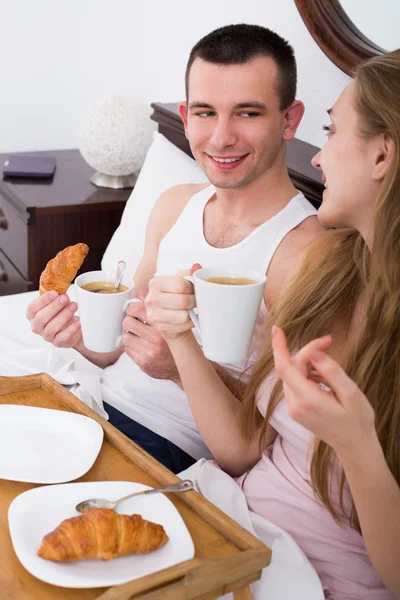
(61,269)
(102,533)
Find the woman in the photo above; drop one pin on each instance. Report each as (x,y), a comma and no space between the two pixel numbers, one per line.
(322,460)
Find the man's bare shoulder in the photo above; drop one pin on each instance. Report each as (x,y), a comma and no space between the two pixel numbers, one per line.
(170,205)
(288,256)
(301,236)
(179,195)
(309,227)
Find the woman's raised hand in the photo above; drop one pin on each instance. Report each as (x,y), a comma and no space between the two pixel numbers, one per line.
(340,415)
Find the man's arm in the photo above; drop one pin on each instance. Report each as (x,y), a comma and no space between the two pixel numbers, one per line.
(101,359)
(142,342)
(163,217)
(146,268)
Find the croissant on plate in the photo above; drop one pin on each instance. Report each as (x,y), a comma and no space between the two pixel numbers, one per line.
(102,533)
(62,269)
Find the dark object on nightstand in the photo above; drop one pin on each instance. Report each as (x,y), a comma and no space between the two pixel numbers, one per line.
(38,167)
(39,217)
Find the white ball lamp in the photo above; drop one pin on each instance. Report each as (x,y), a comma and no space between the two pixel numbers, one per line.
(114,137)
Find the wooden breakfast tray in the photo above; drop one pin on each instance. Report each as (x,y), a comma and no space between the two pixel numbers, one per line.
(227,557)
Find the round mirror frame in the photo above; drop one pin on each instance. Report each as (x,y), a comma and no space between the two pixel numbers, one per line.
(336,34)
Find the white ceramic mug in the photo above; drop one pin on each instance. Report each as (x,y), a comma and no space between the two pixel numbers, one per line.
(101,315)
(227,314)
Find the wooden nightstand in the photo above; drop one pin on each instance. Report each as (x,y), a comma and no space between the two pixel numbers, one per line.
(40,217)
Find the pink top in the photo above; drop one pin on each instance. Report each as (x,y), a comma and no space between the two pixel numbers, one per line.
(279,489)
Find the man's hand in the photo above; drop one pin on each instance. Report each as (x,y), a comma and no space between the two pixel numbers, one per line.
(146,346)
(52,317)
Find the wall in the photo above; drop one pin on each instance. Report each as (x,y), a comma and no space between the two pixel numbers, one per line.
(60,56)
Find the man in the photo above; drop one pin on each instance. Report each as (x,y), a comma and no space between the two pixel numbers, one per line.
(240,110)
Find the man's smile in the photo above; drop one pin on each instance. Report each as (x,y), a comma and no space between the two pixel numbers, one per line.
(227,163)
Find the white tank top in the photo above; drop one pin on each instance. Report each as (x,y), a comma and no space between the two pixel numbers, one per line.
(185,243)
(161,405)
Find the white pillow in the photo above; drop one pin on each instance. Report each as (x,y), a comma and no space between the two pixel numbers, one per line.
(164,167)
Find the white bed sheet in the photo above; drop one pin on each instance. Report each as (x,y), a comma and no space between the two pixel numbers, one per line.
(15,331)
(23,352)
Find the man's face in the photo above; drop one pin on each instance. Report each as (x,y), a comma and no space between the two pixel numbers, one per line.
(233,122)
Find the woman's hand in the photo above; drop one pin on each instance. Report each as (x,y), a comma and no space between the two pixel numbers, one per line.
(340,416)
(167,304)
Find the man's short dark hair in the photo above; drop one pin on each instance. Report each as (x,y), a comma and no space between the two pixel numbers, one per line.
(239,44)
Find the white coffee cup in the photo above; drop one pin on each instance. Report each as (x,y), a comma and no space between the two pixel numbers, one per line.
(101,315)
(227,314)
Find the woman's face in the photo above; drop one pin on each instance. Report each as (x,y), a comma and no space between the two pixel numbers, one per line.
(347,162)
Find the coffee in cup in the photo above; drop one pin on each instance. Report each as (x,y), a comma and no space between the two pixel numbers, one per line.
(231,280)
(103,287)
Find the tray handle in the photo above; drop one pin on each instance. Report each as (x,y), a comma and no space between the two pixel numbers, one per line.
(195,578)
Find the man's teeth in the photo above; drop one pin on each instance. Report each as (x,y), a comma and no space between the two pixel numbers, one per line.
(226,160)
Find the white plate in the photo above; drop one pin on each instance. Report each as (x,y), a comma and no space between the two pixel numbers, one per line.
(36,512)
(41,445)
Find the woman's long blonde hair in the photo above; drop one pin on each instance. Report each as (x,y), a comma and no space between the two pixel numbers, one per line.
(337,270)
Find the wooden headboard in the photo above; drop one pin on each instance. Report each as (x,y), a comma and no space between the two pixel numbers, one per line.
(298,154)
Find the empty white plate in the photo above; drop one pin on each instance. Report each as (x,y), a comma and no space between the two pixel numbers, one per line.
(36,512)
(41,445)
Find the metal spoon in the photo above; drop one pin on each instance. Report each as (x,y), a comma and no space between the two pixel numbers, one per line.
(121,266)
(181,486)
